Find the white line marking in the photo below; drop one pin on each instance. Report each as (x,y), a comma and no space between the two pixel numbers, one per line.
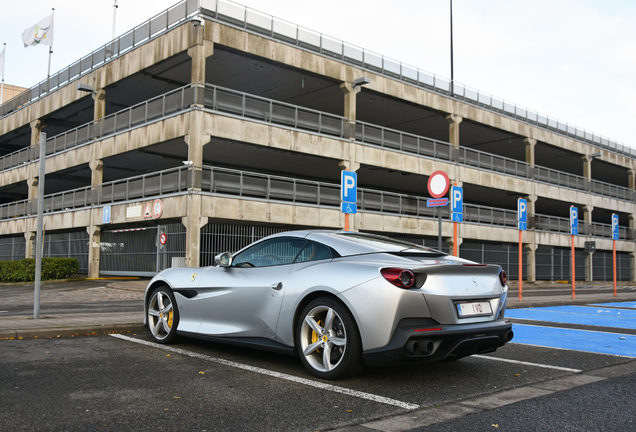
(527,363)
(573,329)
(316,384)
(3,311)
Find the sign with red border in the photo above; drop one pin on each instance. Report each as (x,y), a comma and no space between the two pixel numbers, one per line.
(157,208)
(438,184)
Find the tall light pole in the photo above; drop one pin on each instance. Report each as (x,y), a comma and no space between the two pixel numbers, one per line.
(451,47)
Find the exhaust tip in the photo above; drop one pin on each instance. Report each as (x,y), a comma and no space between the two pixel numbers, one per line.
(412,347)
(509,335)
(427,347)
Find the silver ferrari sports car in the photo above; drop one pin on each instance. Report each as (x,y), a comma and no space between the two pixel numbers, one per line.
(339,300)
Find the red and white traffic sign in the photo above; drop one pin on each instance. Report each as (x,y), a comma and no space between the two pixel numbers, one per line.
(157,208)
(163,239)
(438,184)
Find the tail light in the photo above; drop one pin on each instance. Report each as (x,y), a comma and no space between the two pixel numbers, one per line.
(503,278)
(402,278)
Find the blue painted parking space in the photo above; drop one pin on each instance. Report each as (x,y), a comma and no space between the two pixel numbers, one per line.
(594,316)
(580,340)
(617,305)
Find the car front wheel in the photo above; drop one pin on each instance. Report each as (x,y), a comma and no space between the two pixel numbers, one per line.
(328,340)
(163,315)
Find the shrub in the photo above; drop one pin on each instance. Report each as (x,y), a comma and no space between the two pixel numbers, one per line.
(24,270)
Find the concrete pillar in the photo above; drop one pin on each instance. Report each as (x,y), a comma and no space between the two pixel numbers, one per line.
(350,93)
(451,243)
(36,129)
(94,249)
(97,171)
(633,265)
(530,143)
(631,179)
(587,167)
(531,249)
(200,50)
(34,169)
(29,236)
(193,222)
(587,213)
(196,138)
(453,128)
(99,109)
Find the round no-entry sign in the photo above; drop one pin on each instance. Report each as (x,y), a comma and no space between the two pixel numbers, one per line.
(438,184)
(163,238)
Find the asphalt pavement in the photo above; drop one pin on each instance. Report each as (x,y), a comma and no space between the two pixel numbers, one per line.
(84,307)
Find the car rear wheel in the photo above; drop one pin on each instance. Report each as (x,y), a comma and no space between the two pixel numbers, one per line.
(163,315)
(328,340)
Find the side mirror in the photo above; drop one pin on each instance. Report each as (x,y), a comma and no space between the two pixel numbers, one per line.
(223,259)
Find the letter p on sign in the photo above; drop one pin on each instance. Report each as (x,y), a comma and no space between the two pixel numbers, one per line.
(348,185)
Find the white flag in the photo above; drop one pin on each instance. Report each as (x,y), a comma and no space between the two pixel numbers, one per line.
(2,62)
(39,34)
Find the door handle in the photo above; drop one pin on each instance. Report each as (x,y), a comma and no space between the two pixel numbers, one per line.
(277,286)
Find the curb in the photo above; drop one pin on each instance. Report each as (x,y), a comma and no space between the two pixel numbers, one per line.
(70,331)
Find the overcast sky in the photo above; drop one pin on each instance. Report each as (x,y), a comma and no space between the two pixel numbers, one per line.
(574,60)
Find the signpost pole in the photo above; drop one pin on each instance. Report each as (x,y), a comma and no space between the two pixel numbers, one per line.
(573,271)
(439,232)
(614,258)
(522,221)
(520,265)
(40,226)
(615,236)
(574,230)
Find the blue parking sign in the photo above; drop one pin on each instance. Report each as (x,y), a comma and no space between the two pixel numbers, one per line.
(522,214)
(574,220)
(348,187)
(614,226)
(457,204)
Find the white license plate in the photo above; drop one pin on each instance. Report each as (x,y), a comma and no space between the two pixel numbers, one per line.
(474,309)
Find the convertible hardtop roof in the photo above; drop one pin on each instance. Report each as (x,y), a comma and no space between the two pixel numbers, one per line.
(355,243)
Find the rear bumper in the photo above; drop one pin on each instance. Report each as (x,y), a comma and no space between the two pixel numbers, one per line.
(415,341)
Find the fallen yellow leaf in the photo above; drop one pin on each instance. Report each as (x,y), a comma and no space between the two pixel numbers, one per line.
(495,425)
(176,397)
(202,373)
(349,410)
(167,355)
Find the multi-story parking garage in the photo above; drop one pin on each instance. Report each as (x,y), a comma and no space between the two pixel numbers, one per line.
(216,125)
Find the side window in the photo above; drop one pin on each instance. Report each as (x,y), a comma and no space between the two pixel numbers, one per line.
(277,251)
(313,252)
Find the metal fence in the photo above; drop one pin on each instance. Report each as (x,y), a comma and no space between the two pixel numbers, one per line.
(603,266)
(72,244)
(12,248)
(504,254)
(137,251)
(554,264)
(240,16)
(225,181)
(139,35)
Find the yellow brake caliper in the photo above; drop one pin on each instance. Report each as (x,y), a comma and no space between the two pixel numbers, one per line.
(170,315)
(315,337)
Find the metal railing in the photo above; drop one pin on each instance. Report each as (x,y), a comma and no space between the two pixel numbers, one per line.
(243,17)
(595,229)
(270,111)
(397,140)
(139,35)
(153,109)
(236,183)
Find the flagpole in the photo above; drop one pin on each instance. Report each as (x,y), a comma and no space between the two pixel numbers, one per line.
(4,50)
(48,74)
